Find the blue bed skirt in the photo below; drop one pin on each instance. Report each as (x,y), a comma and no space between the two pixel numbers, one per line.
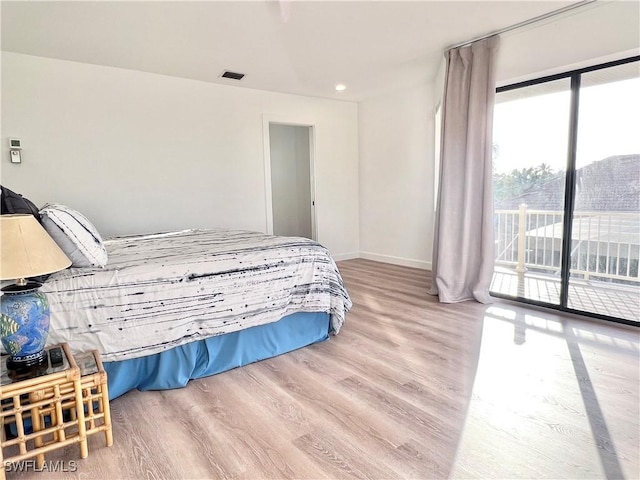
(175,367)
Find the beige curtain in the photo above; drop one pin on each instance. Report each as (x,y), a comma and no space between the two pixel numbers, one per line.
(463,250)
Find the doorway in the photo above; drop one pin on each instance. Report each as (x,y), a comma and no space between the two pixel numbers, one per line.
(290,178)
(566,160)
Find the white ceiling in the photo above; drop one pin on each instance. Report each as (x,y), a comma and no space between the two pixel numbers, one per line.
(301,47)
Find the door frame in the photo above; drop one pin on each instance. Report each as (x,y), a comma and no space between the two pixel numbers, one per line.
(292,121)
(575,77)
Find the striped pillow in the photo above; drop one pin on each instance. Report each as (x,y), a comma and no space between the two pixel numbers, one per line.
(75,235)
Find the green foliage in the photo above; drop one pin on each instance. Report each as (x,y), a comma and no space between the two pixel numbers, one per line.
(517,182)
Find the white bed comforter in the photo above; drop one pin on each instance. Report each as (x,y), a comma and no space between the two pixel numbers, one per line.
(164,290)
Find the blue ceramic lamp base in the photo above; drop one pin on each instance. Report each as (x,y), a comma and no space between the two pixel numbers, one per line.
(24,325)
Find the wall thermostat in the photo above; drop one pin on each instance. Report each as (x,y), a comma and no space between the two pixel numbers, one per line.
(15,145)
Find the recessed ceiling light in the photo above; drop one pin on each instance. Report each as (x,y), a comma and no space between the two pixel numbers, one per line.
(340,87)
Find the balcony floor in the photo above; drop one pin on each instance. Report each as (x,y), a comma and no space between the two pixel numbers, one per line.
(621,301)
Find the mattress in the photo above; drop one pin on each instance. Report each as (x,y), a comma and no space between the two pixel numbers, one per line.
(164,290)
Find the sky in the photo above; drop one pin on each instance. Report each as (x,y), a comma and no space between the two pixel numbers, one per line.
(533,130)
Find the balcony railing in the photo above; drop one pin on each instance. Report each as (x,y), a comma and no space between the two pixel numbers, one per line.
(604,245)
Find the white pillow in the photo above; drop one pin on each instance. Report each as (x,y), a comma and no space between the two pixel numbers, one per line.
(75,235)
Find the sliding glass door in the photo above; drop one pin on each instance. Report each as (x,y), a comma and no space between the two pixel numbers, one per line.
(567,191)
(606,223)
(529,161)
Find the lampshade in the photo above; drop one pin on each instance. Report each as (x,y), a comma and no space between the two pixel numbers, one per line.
(27,250)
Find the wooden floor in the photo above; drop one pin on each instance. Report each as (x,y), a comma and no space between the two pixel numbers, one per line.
(410,388)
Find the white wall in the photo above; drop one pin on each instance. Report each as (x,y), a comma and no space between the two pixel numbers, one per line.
(598,32)
(139,152)
(397,130)
(396,177)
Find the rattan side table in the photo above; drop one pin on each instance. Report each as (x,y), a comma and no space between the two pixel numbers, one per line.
(95,395)
(45,409)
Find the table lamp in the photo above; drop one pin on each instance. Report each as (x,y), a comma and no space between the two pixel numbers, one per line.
(27,250)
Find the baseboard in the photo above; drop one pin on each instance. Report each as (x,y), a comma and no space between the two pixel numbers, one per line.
(345,256)
(405,262)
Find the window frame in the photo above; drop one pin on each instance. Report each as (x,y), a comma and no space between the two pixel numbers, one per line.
(570,185)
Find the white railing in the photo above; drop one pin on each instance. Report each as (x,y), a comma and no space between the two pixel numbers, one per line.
(604,244)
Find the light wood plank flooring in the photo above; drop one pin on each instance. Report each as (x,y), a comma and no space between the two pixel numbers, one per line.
(410,388)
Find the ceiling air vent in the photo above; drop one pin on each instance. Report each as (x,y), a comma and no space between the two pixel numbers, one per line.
(232,75)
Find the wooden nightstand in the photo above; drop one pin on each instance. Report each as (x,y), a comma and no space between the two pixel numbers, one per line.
(95,395)
(53,407)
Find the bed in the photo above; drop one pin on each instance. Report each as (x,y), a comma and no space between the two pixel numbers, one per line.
(170,307)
